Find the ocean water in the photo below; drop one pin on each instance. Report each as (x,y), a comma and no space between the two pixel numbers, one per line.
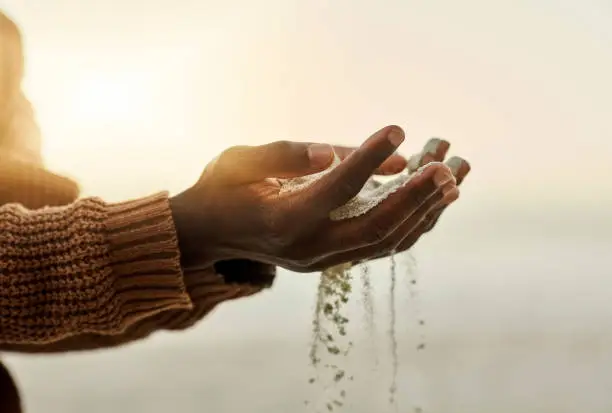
(513,323)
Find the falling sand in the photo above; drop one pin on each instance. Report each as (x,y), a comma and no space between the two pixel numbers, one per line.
(329,328)
(367,300)
(329,334)
(413,295)
(392,335)
(335,287)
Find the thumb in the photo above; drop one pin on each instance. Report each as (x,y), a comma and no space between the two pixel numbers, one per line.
(282,159)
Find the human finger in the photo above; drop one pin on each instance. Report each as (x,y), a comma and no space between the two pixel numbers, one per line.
(393,242)
(434,151)
(376,225)
(460,169)
(281,159)
(394,164)
(346,180)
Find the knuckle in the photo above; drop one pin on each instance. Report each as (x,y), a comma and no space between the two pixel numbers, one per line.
(280,150)
(230,153)
(287,155)
(226,161)
(282,145)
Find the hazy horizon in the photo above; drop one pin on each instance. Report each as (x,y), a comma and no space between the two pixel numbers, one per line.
(514,284)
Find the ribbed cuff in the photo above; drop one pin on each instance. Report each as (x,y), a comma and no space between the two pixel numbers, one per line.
(145,258)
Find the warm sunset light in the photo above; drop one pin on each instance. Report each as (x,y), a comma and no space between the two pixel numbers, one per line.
(504,306)
(117,117)
(101,98)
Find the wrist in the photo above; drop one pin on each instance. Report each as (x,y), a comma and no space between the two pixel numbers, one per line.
(195,240)
(198,248)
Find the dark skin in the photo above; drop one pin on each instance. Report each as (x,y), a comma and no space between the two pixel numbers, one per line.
(460,172)
(235,210)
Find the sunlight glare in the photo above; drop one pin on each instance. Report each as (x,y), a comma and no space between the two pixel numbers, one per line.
(102,98)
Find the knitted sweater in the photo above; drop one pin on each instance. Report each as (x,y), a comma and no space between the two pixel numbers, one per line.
(95,274)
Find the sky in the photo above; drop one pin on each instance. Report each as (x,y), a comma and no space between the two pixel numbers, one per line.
(137,96)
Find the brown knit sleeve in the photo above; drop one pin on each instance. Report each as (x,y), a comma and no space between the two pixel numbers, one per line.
(206,288)
(93,275)
(89,267)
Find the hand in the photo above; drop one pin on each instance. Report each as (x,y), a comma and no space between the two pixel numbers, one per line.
(435,150)
(235,211)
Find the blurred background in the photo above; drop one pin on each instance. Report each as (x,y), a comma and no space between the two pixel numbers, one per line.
(137,96)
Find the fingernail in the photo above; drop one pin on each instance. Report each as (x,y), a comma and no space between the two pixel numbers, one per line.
(431,146)
(396,136)
(320,154)
(454,164)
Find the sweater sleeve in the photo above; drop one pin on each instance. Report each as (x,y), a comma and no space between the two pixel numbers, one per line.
(94,274)
(207,289)
(89,267)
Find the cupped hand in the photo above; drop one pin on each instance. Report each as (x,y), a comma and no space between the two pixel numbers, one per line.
(435,150)
(236,210)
